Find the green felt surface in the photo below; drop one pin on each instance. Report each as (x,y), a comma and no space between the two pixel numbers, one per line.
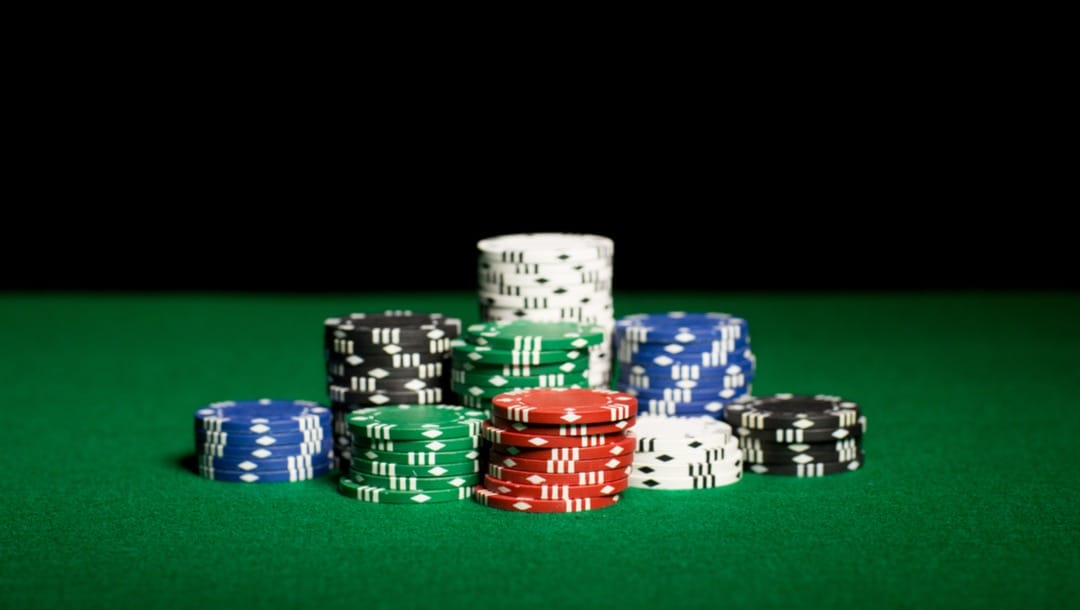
(969,497)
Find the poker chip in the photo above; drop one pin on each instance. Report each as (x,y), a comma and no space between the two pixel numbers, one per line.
(687,395)
(390,469)
(482,354)
(435,445)
(614,447)
(506,436)
(523,370)
(533,505)
(614,427)
(554,492)
(267,476)
(705,481)
(342,395)
(811,435)
(814,469)
(341,368)
(790,411)
(526,477)
(498,381)
(565,406)
(561,466)
(262,416)
(418,458)
(415,422)
(552,278)
(264,452)
(529,336)
(380,495)
(243,464)
(653,406)
(231,439)
(682,327)
(417,483)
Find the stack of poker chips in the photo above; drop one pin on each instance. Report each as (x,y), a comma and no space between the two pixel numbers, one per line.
(697,452)
(374,360)
(679,363)
(413,454)
(551,277)
(804,436)
(263,441)
(558,450)
(498,357)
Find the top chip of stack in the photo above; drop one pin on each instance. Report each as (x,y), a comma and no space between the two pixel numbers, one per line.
(550,277)
(679,363)
(498,357)
(390,358)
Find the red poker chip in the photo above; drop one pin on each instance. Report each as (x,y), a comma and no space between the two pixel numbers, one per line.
(614,448)
(565,406)
(554,492)
(504,436)
(561,466)
(566,429)
(532,505)
(524,477)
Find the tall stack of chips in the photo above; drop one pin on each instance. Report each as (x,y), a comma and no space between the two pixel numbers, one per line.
(551,277)
(375,360)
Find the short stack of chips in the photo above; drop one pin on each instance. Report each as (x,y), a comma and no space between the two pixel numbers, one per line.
(803,436)
(397,357)
(558,450)
(679,363)
(263,441)
(413,454)
(498,357)
(697,452)
(551,277)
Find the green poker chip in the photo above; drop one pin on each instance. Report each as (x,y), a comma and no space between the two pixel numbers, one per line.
(418,458)
(390,469)
(520,370)
(479,391)
(445,444)
(497,380)
(417,483)
(528,336)
(471,352)
(381,495)
(415,422)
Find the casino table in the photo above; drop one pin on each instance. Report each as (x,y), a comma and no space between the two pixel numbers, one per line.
(967,499)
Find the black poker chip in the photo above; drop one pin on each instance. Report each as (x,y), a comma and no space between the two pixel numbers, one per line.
(791,411)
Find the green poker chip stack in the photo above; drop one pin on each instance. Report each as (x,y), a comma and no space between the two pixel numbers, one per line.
(413,454)
(493,358)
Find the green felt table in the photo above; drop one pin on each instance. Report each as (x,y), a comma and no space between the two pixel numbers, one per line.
(968,498)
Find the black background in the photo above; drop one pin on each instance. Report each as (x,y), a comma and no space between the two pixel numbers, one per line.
(341,247)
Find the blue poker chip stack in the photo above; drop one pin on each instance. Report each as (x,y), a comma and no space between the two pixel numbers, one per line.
(263,441)
(680,363)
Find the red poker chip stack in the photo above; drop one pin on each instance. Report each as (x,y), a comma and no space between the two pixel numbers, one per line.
(558,450)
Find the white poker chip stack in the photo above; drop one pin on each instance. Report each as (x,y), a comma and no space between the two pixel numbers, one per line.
(696,452)
(551,277)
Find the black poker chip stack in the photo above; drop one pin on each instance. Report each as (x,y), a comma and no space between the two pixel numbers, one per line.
(803,436)
(385,359)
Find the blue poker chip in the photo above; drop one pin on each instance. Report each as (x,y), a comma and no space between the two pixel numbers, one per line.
(258,452)
(231,439)
(632,382)
(682,327)
(244,464)
(262,416)
(691,372)
(704,355)
(269,476)
(686,395)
